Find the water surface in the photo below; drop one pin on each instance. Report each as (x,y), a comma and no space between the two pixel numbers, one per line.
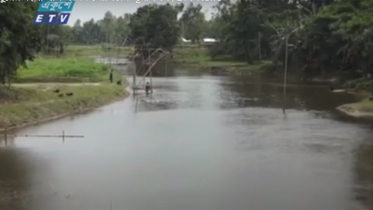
(203,142)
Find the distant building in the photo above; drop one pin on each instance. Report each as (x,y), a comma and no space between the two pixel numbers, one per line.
(185,40)
(204,40)
(209,40)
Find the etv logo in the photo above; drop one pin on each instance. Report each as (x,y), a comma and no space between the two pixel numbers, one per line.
(56,17)
(51,18)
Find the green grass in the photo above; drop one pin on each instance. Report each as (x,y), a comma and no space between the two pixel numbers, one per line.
(362,106)
(35,104)
(191,54)
(18,95)
(360,84)
(197,57)
(96,50)
(20,106)
(188,55)
(60,69)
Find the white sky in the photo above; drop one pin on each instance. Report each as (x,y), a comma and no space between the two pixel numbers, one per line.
(86,10)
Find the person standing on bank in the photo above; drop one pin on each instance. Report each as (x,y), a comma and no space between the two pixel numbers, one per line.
(111,76)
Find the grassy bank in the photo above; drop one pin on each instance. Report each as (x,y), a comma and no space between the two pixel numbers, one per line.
(65,69)
(192,56)
(363,108)
(35,100)
(22,106)
(197,58)
(96,50)
(362,87)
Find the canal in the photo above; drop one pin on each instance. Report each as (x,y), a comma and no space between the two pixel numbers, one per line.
(199,142)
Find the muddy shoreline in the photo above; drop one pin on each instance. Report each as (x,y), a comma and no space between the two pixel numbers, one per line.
(350,110)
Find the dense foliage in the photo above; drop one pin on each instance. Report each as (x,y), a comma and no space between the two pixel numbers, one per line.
(322,36)
(110,29)
(193,23)
(19,38)
(154,26)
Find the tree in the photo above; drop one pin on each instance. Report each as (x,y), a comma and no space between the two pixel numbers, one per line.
(122,30)
(244,28)
(193,22)
(108,27)
(92,33)
(154,26)
(19,39)
(77,31)
(240,25)
(55,38)
(324,34)
(339,35)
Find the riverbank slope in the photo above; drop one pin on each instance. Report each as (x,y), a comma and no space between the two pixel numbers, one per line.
(362,109)
(53,87)
(21,106)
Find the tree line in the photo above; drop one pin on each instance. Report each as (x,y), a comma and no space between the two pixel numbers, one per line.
(151,26)
(319,36)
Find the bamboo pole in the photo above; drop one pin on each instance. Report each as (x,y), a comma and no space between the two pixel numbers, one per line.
(153,64)
(151,82)
(50,136)
(285,71)
(167,67)
(134,72)
(143,60)
(260,46)
(137,101)
(6,135)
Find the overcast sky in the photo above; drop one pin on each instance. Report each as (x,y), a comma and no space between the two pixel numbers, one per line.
(86,10)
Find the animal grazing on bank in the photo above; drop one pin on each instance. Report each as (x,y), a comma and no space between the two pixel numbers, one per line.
(69,94)
(60,95)
(119,82)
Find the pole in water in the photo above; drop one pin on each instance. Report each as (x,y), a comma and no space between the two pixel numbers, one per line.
(285,70)
(151,82)
(6,135)
(137,100)
(63,136)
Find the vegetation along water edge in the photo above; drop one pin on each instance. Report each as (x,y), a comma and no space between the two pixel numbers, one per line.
(320,46)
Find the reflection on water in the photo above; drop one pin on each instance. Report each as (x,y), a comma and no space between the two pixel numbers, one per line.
(303,97)
(14,177)
(163,68)
(198,142)
(231,94)
(364,173)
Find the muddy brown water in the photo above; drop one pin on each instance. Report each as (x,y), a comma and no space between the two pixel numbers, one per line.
(199,142)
